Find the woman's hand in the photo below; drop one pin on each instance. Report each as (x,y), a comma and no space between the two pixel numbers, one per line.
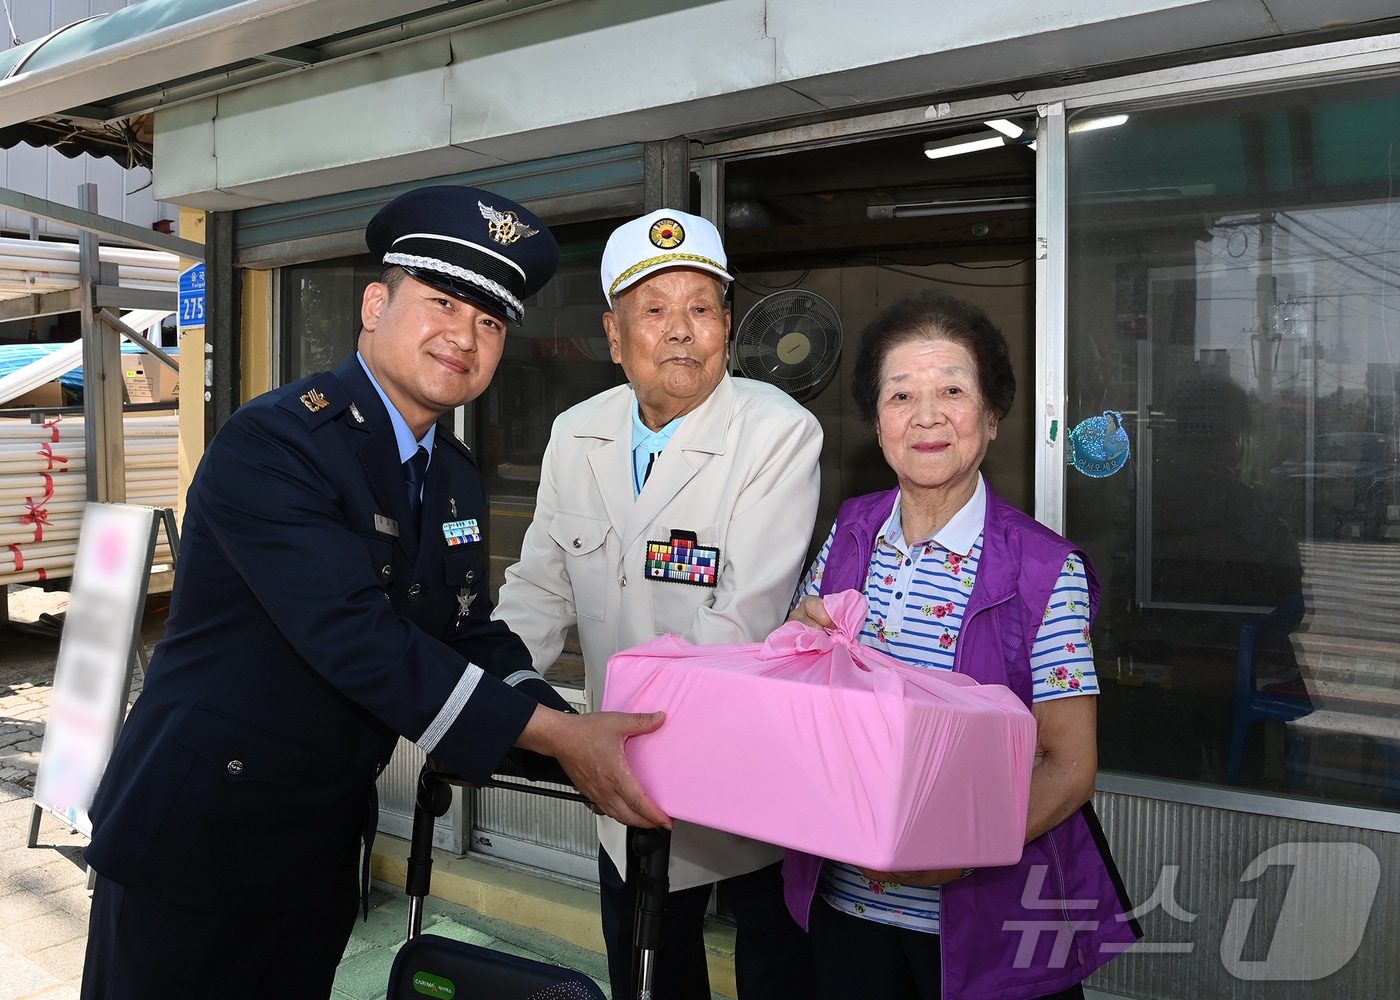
(924,879)
(811,612)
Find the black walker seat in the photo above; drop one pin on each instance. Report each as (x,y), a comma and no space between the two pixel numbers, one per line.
(432,966)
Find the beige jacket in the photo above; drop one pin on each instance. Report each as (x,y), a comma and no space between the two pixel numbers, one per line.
(742,473)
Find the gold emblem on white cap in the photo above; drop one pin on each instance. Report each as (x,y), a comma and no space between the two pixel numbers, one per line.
(666,234)
(505,227)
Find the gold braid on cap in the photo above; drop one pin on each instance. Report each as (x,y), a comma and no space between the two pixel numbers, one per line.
(442,267)
(665,258)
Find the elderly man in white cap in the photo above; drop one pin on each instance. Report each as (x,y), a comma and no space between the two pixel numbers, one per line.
(682,451)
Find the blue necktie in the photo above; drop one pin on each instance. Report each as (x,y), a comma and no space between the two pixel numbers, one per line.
(413,472)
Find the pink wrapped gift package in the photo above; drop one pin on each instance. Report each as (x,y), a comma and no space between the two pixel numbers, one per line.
(813,741)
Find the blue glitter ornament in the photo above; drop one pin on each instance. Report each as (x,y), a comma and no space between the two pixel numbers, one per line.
(1099,446)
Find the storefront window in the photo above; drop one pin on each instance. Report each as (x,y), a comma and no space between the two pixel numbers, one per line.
(321,314)
(1234,360)
(863,225)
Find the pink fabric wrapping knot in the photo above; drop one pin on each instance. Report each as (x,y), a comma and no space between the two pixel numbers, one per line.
(814,741)
(847,610)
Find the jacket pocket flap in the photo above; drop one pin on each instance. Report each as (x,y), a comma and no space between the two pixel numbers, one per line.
(578,535)
(463,565)
(245,752)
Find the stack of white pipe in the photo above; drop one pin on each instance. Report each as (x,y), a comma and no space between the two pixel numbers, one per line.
(37,267)
(43,488)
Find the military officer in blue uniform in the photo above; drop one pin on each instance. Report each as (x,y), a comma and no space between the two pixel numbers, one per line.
(331,594)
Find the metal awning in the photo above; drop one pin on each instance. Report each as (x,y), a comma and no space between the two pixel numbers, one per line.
(127,142)
(87,87)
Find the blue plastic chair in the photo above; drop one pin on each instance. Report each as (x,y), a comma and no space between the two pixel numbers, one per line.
(1252,703)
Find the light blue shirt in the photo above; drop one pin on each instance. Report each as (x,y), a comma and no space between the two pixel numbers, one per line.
(403,437)
(647,443)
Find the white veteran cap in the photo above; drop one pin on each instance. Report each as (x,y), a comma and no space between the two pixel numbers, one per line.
(475,245)
(661,239)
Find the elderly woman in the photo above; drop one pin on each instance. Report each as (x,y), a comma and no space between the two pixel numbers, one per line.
(956,579)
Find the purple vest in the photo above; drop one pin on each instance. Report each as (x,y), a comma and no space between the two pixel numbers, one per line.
(1047,922)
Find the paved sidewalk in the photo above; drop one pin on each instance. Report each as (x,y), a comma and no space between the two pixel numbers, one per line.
(44,914)
(44,900)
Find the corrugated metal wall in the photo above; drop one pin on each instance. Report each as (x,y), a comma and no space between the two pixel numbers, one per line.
(1252,906)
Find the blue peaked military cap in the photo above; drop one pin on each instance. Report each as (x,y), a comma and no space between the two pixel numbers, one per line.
(474,245)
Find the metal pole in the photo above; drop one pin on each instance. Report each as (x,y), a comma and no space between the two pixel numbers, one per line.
(102,374)
(221,325)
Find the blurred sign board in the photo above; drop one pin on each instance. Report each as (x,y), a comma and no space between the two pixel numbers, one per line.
(100,643)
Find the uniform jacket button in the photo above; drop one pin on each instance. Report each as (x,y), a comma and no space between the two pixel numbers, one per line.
(578,543)
(386,572)
(471,575)
(414,591)
(623,581)
(235,767)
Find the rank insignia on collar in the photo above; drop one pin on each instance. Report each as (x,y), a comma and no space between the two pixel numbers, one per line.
(314,401)
(682,560)
(505,227)
(355,412)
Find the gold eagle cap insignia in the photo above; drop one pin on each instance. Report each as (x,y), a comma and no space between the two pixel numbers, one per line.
(505,227)
(314,401)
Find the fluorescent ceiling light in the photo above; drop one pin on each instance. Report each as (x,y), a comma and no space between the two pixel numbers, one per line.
(958,145)
(955,208)
(971,201)
(1007,128)
(1089,124)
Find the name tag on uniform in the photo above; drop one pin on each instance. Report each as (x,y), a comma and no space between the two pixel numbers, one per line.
(461,532)
(683,560)
(386,525)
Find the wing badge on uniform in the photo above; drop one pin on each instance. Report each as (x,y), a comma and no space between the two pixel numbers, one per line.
(464,603)
(505,227)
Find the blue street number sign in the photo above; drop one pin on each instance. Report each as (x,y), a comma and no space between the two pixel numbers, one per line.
(192,297)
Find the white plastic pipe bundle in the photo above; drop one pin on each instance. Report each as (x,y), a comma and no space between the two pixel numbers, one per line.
(36,267)
(43,488)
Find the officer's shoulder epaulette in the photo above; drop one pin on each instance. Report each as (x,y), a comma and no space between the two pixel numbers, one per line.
(450,440)
(317,399)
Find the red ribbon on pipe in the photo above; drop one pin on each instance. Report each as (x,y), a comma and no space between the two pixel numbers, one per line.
(38,514)
(53,426)
(46,451)
(19,563)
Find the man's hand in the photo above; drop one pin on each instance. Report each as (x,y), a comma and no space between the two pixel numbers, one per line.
(589,748)
(811,612)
